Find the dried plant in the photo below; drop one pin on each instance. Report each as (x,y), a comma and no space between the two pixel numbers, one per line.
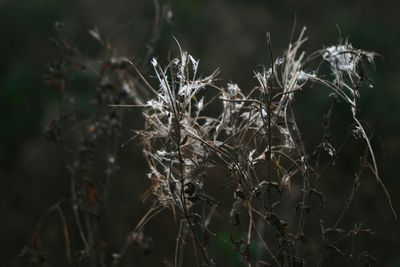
(256,141)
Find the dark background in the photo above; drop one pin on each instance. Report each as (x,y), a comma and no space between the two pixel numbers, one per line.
(228,34)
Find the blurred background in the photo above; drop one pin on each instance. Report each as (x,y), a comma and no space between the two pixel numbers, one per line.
(226,34)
